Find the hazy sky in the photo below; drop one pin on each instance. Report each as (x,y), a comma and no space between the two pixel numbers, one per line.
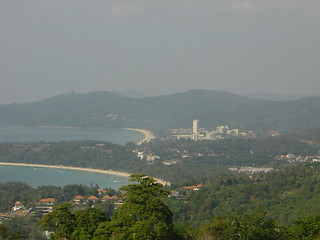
(50,47)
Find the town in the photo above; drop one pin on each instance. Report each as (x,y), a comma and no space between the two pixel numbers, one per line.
(220,132)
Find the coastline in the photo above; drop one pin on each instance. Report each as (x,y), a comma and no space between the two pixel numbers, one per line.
(110,172)
(148,135)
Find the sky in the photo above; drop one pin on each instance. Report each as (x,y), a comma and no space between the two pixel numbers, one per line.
(52,47)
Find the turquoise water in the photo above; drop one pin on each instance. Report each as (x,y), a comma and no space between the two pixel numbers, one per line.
(59,177)
(30,134)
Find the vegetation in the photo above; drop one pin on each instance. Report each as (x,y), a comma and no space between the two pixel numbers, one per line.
(11,192)
(80,225)
(225,208)
(178,160)
(143,215)
(286,195)
(282,204)
(212,108)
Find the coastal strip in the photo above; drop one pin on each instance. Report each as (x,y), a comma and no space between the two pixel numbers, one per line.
(110,172)
(148,135)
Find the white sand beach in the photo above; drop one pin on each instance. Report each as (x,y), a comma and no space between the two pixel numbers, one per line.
(111,172)
(148,135)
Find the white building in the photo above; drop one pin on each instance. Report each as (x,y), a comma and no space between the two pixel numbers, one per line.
(195,129)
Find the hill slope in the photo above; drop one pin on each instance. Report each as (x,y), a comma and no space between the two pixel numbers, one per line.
(286,195)
(212,108)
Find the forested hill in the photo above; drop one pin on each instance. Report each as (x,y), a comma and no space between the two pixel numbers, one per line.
(286,195)
(212,108)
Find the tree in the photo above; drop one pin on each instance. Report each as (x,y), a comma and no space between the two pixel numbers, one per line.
(7,234)
(80,225)
(4,232)
(214,229)
(307,228)
(143,215)
(61,220)
(86,223)
(253,227)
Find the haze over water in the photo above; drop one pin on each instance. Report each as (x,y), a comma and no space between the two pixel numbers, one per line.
(32,134)
(61,177)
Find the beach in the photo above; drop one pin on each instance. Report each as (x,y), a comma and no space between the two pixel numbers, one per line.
(111,172)
(148,135)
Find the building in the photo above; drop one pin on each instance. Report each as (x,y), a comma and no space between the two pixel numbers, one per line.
(195,129)
(194,188)
(18,206)
(222,130)
(45,205)
(92,199)
(78,199)
(107,197)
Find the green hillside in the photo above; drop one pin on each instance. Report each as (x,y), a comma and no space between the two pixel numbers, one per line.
(212,108)
(285,194)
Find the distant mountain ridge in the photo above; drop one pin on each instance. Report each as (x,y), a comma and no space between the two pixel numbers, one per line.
(212,108)
(277,97)
(132,93)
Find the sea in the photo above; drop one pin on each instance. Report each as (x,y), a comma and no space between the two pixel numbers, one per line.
(60,177)
(33,134)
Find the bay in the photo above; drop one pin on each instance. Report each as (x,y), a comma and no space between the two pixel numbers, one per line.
(33,134)
(38,176)
(57,177)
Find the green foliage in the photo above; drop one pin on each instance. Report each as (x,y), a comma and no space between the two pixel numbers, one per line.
(11,192)
(24,228)
(214,229)
(243,227)
(61,221)
(286,195)
(86,223)
(7,234)
(80,225)
(4,232)
(307,228)
(143,215)
(257,227)
(229,152)
(72,153)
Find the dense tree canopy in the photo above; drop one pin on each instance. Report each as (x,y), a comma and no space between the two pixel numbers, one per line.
(143,215)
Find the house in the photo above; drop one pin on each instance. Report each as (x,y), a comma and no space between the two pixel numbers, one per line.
(18,206)
(78,199)
(107,197)
(45,205)
(101,192)
(92,199)
(47,201)
(194,188)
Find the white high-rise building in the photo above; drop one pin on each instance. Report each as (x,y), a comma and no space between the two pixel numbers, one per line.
(195,131)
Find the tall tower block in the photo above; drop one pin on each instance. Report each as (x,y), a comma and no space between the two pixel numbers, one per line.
(195,123)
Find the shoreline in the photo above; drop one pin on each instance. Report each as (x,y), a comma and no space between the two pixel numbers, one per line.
(148,135)
(109,172)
